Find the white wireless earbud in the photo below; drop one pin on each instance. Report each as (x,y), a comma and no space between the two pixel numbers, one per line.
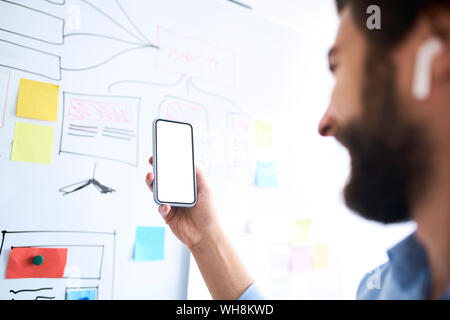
(422,71)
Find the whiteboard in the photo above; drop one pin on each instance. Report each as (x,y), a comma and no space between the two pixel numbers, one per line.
(211,63)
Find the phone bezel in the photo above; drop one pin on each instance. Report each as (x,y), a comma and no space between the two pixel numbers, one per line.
(155,166)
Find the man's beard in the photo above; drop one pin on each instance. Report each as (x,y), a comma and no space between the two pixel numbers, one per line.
(389,154)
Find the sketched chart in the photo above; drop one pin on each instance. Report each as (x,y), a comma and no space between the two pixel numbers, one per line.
(239,155)
(185,55)
(180,109)
(73,264)
(47,63)
(100,126)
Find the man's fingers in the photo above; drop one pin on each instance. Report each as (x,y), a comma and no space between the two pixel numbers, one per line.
(164,210)
(201,181)
(150,160)
(149,180)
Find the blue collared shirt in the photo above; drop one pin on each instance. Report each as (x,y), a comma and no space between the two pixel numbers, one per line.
(405,276)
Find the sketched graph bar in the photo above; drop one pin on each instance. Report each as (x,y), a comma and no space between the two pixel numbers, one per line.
(39,25)
(31,60)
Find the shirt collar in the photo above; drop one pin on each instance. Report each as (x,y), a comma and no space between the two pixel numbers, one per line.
(409,259)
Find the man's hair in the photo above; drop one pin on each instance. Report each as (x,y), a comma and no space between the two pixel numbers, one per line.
(397,18)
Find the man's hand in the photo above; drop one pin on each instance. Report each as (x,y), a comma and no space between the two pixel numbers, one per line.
(191,225)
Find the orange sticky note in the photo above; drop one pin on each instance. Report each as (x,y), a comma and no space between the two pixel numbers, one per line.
(20,263)
(37,100)
(320,257)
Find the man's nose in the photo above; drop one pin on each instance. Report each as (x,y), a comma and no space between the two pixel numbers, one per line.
(327,126)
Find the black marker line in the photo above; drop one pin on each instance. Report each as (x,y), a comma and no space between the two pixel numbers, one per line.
(42,297)
(33,38)
(57,3)
(112,20)
(107,60)
(37,50)
(101,36)
(101,95)
(240,4)
(113,265)
(3,239)
(82,126)
(84,130)
(81,278)
(41,12)
(119,129)
(57,246)
(117,132)
(29,290)
(58,231)
(101,263)
(80,135)
(116,137)
(146,83)
(132,23)
(100,157)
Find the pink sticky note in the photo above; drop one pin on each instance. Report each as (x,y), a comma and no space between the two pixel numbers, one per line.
(301,259)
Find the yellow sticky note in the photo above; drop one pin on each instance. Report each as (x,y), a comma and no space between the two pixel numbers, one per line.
(320,257)
(299,232)
(37,100)
(32,143)
(263,134)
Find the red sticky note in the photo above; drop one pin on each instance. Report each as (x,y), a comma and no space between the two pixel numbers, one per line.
(20,263)
(301,259)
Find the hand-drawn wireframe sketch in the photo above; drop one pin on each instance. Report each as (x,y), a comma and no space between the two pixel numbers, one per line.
(101,126)
(240,146)
(45,63)
(90,263)
(185,55)
(82,184)
(180,109)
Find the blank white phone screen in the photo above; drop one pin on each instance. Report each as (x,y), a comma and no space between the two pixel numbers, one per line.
(174,162)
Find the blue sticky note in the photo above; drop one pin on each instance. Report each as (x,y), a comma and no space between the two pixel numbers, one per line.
(149,243)
(265,175)
(81,294)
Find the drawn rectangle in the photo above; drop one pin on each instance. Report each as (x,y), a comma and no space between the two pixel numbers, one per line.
(4,86)
(90,263)
(81,293)
(101,126)
(190,56)
(31,60)
(50,28)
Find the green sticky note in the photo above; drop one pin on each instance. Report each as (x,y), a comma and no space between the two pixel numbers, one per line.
(37,100)
(32,143)
(149,243)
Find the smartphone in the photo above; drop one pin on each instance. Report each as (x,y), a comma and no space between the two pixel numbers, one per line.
(173,163)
